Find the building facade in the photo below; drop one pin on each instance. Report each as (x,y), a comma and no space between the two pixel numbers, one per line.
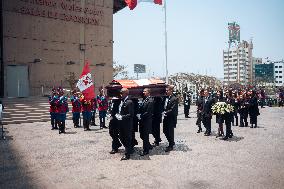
(264,74)
(45,43)
(238,64)
(279,73)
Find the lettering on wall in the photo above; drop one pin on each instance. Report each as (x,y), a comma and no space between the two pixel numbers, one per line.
(66,10)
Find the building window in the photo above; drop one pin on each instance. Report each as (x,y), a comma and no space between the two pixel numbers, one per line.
(280,81)
(280,76)
(280,71)
(276,66)
(276,71)
(280,66)
(276,76)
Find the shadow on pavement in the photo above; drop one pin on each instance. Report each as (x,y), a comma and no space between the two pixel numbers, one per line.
(13,173)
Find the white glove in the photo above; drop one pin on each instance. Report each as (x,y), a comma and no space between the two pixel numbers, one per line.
(118,116)
(139,116)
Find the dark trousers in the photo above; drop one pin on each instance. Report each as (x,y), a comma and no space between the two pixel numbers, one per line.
(156,129)
(125,134)
(253,119)
(198,121)
(102,121)
(228,128)
(186,110)
(243,120)
(168,130)
(114,134)
(144,135)
(207,124)
(235,118)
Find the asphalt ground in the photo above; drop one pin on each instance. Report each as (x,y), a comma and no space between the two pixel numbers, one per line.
(33,156)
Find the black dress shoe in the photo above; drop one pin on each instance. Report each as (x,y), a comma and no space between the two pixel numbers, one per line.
(113,151)
(125,157)
(169,149)
(144,153)
(52,128)
(105,127)
(224,138)
(155,144)
(207,134)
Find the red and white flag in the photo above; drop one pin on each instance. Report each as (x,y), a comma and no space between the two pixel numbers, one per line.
(85,83)
(159,2)
(133,3)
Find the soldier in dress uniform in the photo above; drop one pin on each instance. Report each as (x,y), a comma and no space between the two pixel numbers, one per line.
(62,107)
(76,108)
(52,109)
(236,104)
(86,112)
(206,112)
(94,110)
(102,107)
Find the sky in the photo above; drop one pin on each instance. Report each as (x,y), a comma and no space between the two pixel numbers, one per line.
(197,34)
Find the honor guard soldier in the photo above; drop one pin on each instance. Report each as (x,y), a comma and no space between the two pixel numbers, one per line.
(199,104)
(86,112)
(102,107)
(52,109)
(62,107)
(76,108)
(186,103)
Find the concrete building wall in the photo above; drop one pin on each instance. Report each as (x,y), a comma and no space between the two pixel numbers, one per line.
(62,35)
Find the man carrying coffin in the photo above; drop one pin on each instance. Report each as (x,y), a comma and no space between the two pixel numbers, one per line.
(125,122)
(145,120)
(170,117)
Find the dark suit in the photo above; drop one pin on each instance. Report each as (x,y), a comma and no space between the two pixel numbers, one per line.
(186,104)
(157,118)
(199,104)
(126,125)
(207,113)
(253,110)
(145,123)
(170,119)
(113,124)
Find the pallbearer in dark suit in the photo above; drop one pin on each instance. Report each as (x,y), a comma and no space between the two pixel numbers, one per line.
(125,122)
(170,117)
(157,119)
(145,120)
(113,125)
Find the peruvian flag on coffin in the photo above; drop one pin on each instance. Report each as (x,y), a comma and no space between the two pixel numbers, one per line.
(85,83)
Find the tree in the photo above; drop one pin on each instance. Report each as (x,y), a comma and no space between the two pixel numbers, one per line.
(119,71)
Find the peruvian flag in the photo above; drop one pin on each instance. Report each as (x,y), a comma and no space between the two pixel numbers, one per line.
(159,2)
(131,4)
(85,83)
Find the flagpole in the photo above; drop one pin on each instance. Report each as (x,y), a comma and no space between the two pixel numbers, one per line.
(166,41)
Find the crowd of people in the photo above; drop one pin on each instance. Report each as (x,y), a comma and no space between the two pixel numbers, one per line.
(129,115)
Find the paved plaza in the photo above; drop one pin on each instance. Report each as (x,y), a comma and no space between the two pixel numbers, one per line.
(33,156)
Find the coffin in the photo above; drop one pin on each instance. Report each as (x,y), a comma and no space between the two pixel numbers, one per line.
(136,87)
